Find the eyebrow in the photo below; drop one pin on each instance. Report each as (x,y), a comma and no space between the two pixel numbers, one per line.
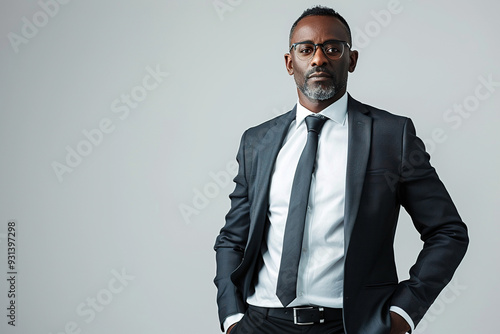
(308,41)
(328,40)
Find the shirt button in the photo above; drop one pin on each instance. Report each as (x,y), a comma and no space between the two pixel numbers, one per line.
(304,250)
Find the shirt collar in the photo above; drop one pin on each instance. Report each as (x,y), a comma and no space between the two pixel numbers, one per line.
(336,111)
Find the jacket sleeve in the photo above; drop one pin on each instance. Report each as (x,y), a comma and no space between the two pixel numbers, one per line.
(230,243)
(441,229)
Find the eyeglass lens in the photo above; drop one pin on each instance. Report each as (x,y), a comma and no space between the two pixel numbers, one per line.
(332,49)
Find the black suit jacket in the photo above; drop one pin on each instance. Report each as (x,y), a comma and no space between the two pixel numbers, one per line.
(387,167)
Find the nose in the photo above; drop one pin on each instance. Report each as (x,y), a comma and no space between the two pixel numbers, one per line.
(319,57)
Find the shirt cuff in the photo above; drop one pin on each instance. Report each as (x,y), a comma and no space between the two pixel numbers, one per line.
(405,316)
(232,319)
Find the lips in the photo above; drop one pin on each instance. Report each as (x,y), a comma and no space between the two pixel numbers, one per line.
(319,75)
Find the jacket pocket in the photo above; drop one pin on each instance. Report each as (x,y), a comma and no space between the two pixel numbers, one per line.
(380,285)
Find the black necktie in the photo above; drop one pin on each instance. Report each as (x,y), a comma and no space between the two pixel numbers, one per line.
(294,229)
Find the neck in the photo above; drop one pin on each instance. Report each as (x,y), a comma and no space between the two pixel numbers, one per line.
(316,105)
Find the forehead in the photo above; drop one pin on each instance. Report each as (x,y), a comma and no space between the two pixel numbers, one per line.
(319,29)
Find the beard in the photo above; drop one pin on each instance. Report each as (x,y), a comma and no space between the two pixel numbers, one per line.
(319,91)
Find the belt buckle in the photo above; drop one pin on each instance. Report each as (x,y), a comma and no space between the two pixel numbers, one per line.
(295,315)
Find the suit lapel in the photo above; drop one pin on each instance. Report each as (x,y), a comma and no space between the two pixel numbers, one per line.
(360,132)
(263,160)
(265,155)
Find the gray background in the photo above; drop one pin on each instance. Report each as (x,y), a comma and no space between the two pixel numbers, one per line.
(120,208)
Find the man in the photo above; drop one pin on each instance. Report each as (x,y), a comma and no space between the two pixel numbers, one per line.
(308,241)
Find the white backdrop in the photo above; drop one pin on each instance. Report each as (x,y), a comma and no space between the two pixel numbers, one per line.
(120,121)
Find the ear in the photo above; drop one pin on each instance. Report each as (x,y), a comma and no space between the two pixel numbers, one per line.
(353,60)
(288,63)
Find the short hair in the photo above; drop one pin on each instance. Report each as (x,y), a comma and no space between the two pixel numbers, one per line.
(320,11)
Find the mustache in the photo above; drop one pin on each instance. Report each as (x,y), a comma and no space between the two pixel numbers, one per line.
(319,69)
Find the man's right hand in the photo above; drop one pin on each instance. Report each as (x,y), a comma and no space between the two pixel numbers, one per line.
(230,328)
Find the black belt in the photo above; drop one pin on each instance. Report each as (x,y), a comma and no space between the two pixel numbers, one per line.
(302,315)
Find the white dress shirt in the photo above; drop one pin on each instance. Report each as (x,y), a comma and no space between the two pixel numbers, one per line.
(321,268)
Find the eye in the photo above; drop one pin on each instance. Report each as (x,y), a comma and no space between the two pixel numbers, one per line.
(305,49)
(332,49)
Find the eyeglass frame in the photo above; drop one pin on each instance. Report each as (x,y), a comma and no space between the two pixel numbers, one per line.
(294,46)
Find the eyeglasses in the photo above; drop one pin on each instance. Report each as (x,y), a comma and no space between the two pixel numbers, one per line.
(333,49)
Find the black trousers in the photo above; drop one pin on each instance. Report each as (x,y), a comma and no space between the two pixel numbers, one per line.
(255,322)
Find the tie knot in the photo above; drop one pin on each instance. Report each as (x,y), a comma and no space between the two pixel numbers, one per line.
(315,123)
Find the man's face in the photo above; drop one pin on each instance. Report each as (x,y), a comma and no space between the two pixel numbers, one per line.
(320,78)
